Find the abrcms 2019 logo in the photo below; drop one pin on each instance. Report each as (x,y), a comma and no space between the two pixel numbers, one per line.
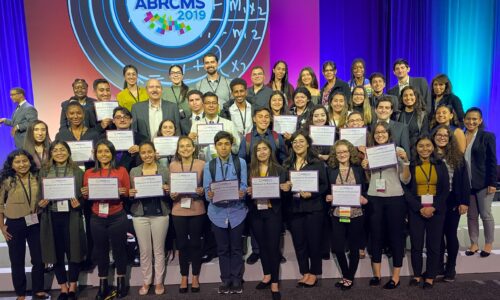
(170,23)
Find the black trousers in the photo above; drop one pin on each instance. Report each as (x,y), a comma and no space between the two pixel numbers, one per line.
(266,226)
(230,252)
(450,240)
(347,234)
(87,213)
(432,229)
(105,230)
(188,231)
(306,229)
(390,211)
(60,229)
(326,239)
(17,252)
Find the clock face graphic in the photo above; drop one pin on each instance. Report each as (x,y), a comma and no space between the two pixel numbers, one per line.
(155,34)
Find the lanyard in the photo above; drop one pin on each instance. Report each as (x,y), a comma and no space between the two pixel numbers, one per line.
(347,177)
(224,174)
(175,96)
(138,97)
(301,166)
(28,197)
(210,84)
(190,168)
(427,178)
(244,121)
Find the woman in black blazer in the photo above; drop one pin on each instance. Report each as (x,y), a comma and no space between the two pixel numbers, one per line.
(306,210)
(442,95)
(428,190)
(266,216)
(480,155)
(348,227)
(457,203)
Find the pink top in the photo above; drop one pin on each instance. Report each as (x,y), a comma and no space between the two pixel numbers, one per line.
(197,205)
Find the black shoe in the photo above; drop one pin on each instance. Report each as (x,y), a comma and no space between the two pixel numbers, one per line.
(263,285)
(449,276)
(347,285)
(484,253)
(299,285)
(224,288)
(427,285)
(183,290)
(195,289)
(121,287)
(72,295)
(390,285)
(253,258)
(236,289)
(414,282)
(470,253)
(63,296)
(206,258)
(40,297)
(276,295)
(375,281)
(282,260)
(306,285)
(48,269)
(103,291)
(339,283)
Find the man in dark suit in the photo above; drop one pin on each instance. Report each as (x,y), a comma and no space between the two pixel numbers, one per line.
(147,115)
(22,117)
(399,131)
(377,81)
(195,102)
(401,68)
(80,89)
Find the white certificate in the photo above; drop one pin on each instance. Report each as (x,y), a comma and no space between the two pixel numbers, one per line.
(265,187)
(356,136)
(183,182)
(381,156)
(225,190)
(58,188)
(121,139)
(207,132)
(346,195)
(148,186)
(81,150)
(166,145)
(304,181)
(104,109)
(322,135)
(103,188)
(282,124)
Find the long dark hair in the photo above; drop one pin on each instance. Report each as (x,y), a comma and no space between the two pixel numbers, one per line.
(112,149)
(419,106)
(432,158)
(311,156)
(125,71)
(284,80)
(386,127)
(8,172)
(195,153)
(158,133)
(310,117)
(284,108)
(453,156)
(51,163)
(29,140)
(273,165)
(184,87)
(453,121)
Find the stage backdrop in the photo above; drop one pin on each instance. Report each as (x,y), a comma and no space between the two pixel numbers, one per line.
(71,39)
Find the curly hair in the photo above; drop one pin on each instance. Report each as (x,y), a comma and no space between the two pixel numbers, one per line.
(451,153)
(8,172)
(333,162)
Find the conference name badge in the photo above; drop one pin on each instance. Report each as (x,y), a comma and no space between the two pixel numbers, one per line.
(380,185)
(31,219)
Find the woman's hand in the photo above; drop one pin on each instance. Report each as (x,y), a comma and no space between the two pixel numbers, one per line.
(285,187)
(324,157)
(402,154)
(462,209)
(74,202)
(491,190)
(43,203)
(287,136)
(166,188)
(5,233)
(364,164)
(210,194)
(427,212)
(174,196)
(200,191)
(305,195)
(85,191)
(329,198)
(122,191)
(363,200)
(133,149)
(241,193)
(249,191)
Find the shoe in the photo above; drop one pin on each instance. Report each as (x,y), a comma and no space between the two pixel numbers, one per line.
(339,283)
(390,285)
(236,289)
(224,288)
(414,282)
(263,285)
(282,260)
(470,253)
(71,295)
(347,285)
(121,287)
(62,296)
(484,253)
(195,289)
(183,290)
(252,259)
(375,281)
(144,290)
(207,258)
(41,297)
(160,290)
(306,285)
(299,285)
(427,285)
(276,295)
(449,277)
(103,291)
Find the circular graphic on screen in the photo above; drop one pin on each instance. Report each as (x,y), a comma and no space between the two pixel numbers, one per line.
(155,34)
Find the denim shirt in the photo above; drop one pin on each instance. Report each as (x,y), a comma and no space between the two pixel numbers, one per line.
(226,213)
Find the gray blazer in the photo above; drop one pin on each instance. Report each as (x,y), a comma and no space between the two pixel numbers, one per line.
(136,208)
(22,118)
(400,135)
(140,114)
(420,83)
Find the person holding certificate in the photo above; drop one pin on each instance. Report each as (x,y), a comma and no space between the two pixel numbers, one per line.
(108,221)
(338,110)
(188,214)
(19,187)
(428,193)
(37,142)
(61,223)
(265,213)
(150,216)
(347,221)
(306,208)
(319,117)
(227,216)
(458,201)
(387,207)
(166,128)
(301,106)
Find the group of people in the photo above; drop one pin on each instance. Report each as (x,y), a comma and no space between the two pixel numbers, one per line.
(445,166)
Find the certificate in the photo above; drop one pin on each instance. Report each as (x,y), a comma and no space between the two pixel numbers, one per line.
(166,145)
(356,136)
(148,186)
(304,181)
(121,139)
(183,182)
(59,188)
(81,150)
(322,135)
(346,195)
(207,132)
(104,109)
(381,156)
(103,188)
(225,190)
(265,187)
(282,124)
